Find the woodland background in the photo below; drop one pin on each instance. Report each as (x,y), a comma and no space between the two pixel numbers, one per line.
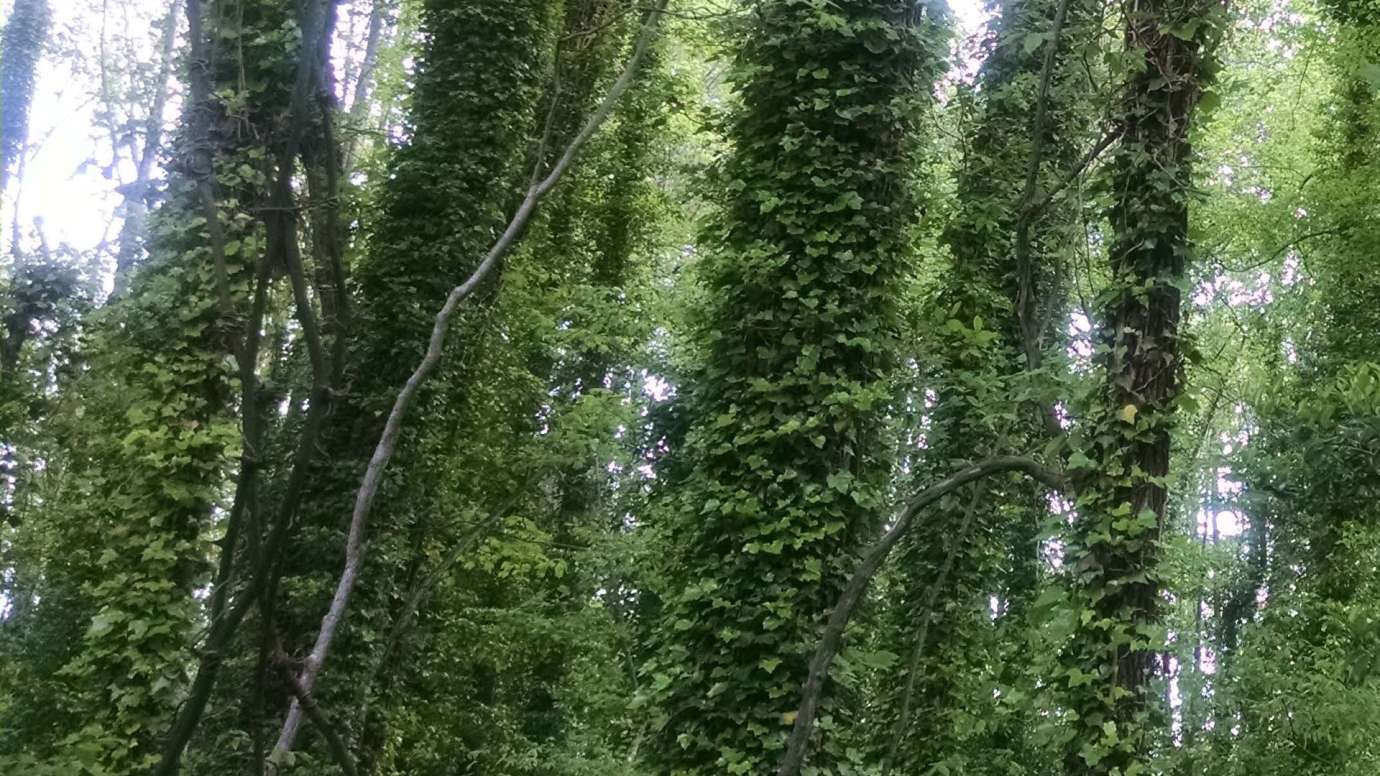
(612,388)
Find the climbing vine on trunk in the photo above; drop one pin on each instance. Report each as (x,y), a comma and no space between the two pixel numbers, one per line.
(798,342)
(1121,508)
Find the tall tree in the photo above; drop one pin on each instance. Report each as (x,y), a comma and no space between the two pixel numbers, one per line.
(993,319)
(142,144)
(786,468)
(1122,504)
(21,47)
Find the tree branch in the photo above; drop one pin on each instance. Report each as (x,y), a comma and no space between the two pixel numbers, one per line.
(1285,248)
(1025,270)
(832,639)
(340,752)
(1038,206)
(388,441)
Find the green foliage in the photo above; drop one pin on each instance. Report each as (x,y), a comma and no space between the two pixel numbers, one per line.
(650,457)
(797,344)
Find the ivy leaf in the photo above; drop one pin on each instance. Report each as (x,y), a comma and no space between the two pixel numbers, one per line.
(1034,41)
(102,623)
(1081,461)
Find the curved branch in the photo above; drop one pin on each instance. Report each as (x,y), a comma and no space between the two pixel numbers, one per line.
(852,594)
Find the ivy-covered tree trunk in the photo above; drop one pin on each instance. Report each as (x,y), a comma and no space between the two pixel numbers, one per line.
(980,542)
(473,122)
(21,46)
(155,447)
(1122,503)
(786,466)
(30,292)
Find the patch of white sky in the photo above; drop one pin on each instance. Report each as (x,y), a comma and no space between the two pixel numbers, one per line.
(68,185)
(970,18)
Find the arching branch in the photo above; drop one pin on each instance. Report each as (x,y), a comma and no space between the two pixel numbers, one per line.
(852,594)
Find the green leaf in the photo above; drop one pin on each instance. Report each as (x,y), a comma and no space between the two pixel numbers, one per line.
(1127,414)
(1033,41)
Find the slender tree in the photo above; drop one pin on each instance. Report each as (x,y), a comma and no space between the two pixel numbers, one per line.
(1122,505)
(138,192)
(997,311)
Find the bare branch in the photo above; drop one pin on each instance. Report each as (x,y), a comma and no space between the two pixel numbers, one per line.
(383,451)
(340,752)
(1279,252)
